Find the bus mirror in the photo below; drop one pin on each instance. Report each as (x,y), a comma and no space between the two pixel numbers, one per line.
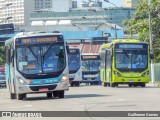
(151,56)
(67,47)
(12,58)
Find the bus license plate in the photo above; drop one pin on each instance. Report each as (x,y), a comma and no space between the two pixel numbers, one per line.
(43,89)
(131,81)
(3,85)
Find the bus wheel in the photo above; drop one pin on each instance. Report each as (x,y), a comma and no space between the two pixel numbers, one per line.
(135,85)
(113,85)
(72,84)
(49,95)
(55,93)
(61,94)
(12,95)
(143,85)
(21,96)
(130,85)
(116,84)
(105,84)
(77,84)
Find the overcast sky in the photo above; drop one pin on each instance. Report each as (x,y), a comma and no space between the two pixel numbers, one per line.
(119,3)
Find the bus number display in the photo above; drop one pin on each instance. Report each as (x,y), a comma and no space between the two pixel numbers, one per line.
(39,40)
(89,57)
(73,51)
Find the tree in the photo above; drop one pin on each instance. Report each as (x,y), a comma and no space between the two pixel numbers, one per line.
(1,55)
(139,24)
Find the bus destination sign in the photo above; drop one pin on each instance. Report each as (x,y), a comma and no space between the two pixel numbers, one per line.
(72,51)
(39,40)
(90,57)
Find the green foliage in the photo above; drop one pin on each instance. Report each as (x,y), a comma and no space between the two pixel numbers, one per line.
(1,55)
(139,24)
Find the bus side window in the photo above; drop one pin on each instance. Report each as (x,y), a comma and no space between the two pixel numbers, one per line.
(102,59)
(12,57)
(7,55)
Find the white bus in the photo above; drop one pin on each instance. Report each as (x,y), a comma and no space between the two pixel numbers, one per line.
(75,72)
(36,63)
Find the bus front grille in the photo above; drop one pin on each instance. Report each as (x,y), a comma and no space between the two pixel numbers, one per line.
(37,88)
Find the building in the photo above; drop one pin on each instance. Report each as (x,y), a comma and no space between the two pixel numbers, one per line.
(43,4)
(85,17)
(130,3)
(16,11)
(54,5)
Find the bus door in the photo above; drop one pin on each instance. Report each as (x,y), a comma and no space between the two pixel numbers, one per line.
(108,65)
(10,68)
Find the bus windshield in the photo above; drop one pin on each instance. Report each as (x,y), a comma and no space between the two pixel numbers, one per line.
(90,65)
(131,59)
(74,61)
(49,58)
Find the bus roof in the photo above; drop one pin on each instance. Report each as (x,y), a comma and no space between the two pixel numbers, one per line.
(121,41)
(29,34)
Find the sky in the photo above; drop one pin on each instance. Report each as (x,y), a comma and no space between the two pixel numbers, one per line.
(119,3)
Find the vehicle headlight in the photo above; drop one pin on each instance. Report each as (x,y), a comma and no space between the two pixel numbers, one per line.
(21,81)
(76,75)
(145,74)
(64,78)
(117,74)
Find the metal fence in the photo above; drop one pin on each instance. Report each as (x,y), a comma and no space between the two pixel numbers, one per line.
(157,72)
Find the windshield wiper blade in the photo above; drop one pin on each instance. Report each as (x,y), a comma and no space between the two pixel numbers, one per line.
(125,53)
(33,52)
(47,50)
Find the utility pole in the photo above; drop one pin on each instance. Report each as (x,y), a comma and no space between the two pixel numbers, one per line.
(151,46)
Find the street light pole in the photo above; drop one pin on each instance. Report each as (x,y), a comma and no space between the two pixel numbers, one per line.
(115,27)
(151,47)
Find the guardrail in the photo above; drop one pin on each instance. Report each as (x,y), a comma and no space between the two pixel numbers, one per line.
(157,72)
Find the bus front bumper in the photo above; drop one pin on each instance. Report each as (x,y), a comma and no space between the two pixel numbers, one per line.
(24,89)
(131,80)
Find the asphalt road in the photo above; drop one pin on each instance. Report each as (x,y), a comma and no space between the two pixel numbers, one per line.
(89,98)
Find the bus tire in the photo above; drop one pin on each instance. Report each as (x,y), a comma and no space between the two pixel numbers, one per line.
(129,85)
(135,85)
(143,84)
(61,94)
(12,95)
(49,95)
(77,84)
(55,94)
(72,84)
(21,96)
(113,85)
(116,84)
(105,84)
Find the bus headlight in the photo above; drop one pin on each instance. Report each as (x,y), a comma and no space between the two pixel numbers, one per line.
(21,81)
(145,74)
(64,78)
(117,74)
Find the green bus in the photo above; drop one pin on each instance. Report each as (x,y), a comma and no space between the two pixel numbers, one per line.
(125,62)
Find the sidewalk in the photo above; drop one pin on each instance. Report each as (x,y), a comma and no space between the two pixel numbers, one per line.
(156,84)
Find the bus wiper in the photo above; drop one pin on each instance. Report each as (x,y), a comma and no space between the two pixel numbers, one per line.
(47,50)
(125,53)
(32,52)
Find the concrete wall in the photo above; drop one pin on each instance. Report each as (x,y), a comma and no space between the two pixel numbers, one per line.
(61,5)
(29,7)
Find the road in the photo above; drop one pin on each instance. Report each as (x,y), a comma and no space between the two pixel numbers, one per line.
(89,98)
